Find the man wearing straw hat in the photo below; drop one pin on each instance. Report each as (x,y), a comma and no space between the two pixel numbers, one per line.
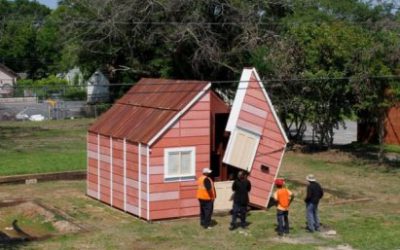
(314,194)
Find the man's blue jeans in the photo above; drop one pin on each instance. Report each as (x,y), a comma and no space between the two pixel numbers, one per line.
(239,211)
(312,217)
(283,221)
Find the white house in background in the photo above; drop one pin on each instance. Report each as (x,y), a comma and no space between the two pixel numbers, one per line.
(74,76)
(8,79)
(98,88)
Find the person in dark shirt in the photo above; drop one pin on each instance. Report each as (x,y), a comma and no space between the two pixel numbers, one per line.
(241,188)
(314,194)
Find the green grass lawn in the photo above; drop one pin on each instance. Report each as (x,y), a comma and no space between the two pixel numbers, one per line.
(41,147)
(53,146)
(371,224)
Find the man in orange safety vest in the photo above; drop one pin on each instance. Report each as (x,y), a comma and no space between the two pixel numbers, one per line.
(206,196)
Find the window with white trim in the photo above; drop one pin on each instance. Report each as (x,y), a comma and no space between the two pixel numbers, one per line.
(241,149)
(180,164)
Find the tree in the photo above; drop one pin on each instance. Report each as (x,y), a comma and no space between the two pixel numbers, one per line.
(185,39)
(25,44)
(322,40)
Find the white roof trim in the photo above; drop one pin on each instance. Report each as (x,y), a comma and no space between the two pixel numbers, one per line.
(270,104)
(238,101)
(239,98)
(179,114)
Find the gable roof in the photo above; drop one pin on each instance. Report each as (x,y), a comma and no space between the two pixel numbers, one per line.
(149,108)
(7,70)
(239,99)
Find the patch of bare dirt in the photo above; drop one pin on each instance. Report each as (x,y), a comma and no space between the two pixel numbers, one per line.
(64,226)
(309,239)
(30,209)
(339,247)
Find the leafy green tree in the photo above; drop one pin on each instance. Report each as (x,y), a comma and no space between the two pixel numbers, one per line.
(186,39)
(27,41)
(321,40)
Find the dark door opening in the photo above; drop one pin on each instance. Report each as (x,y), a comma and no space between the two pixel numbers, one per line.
(221,171)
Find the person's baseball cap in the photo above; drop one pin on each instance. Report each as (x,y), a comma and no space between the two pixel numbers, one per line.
(279,182)
(207,171)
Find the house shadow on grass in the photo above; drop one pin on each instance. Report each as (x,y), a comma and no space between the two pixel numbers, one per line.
(22,238)
(7,242)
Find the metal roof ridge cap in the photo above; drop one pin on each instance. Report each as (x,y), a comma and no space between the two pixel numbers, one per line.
(145,106)
(180,113)
(180,81)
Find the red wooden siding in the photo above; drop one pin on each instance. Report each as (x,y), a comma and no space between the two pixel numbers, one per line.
(116,189)
(118,173)
(177,199)
(132,178)
(217,106)
(255,109)
(92,169)
(105,178)
(392,126)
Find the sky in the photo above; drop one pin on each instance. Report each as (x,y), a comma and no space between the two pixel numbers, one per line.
(51,3)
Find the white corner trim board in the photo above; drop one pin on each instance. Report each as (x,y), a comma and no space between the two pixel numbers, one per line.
(111,171)
(238,101)
(140,179)
(87,164)
(124,173)
(148,181)
(98,167)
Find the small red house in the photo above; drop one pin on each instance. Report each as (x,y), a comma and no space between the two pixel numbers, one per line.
(146,152)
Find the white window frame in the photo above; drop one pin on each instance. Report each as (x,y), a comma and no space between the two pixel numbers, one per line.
(232,141)
(180,177)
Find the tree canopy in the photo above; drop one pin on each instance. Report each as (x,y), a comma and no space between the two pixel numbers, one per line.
(322,60)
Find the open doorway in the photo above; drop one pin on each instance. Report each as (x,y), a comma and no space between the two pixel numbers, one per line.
(221,171)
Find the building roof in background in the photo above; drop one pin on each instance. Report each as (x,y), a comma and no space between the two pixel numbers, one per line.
(7,70)
(147,108)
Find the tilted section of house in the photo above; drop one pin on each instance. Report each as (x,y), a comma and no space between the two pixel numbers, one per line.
(146,152)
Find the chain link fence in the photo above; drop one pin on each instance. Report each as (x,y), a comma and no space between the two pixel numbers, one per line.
(54,102)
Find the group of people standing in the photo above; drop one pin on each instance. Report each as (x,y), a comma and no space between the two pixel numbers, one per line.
(284,197)
(241,187)
(206,195)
